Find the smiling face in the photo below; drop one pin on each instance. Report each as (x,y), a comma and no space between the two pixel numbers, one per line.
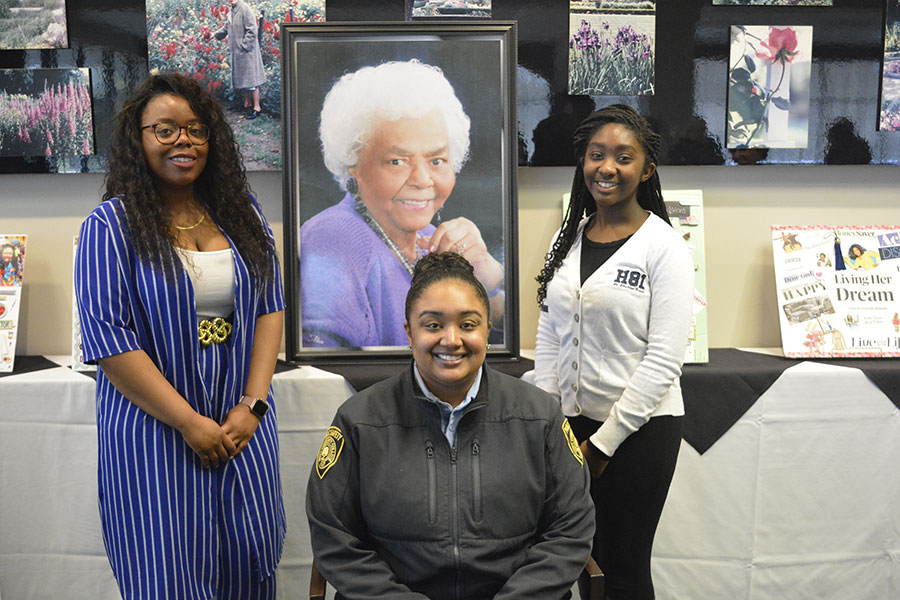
(448,331)
(614,166)
(176,166)
(7,255)
(404,173)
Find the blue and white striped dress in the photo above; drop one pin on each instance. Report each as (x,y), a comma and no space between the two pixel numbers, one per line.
(158,505)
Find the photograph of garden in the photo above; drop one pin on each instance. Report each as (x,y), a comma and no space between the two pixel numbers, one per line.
(46,112)
(774,2)
(890,70)
(611,47)
(419,9)
(33,24)
(190,37)
(768,86)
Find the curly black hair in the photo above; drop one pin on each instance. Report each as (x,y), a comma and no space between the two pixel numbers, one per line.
(581,203)
(436,267)
(222,186)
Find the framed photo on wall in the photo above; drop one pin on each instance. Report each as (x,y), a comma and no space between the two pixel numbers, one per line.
(399,140)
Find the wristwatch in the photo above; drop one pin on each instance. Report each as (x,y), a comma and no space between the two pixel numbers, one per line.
(257,406)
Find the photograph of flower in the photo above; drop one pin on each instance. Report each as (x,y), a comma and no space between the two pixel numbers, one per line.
(890,69)
(773,2)
(233,47)
(611,47)
(425,9)
(33,24)
(768,86)
(46,112)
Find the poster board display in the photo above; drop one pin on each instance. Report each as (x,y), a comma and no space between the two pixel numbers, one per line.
(838,290)
(12,270)
(685,209)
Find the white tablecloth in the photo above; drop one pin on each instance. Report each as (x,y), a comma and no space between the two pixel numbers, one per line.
(50,542)
(800,499)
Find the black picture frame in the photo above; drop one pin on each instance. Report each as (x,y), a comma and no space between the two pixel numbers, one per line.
(478,58)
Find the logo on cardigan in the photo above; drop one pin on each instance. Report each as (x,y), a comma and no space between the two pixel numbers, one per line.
(330,451)
(630,278)
(572,442)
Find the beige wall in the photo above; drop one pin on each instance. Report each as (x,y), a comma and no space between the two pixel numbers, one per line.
(740,204)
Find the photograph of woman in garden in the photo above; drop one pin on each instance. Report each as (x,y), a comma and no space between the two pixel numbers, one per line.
(181,38)
(394,137)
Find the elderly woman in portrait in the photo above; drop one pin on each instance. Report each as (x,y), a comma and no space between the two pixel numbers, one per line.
(394,136)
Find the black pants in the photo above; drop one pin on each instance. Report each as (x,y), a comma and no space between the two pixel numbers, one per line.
(629,499)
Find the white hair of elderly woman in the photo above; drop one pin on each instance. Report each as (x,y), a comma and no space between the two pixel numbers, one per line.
(390,91)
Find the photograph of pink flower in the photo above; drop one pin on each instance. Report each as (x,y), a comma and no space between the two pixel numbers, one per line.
(233,48)
(46,112)
(425,9)
(768,86)
(890,69)
(33,24)
(611,47)
(773,2)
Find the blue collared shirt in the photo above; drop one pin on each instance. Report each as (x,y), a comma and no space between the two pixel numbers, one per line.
(449,416)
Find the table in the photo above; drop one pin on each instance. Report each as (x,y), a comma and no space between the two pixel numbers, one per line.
(798,499)
(50,541)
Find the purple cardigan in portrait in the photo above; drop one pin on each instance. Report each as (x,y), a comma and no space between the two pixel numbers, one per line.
(352,287)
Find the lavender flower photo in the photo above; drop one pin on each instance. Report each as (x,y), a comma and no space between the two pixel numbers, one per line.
(768,86)
(890,71)
(33,24)
(611,47)
(46,112)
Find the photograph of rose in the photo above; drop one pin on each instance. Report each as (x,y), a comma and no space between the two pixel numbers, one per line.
(611,47)
(219,43)
(33,24)
(45,112)
(890,70)
(768,86)
(773,2)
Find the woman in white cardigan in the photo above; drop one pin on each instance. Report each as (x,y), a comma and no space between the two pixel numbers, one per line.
(615,295)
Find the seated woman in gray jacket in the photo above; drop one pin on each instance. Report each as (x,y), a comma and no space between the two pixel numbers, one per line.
(450,480)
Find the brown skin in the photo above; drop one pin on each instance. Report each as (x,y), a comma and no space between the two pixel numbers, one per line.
(133,373)
(614,165)
(448,330)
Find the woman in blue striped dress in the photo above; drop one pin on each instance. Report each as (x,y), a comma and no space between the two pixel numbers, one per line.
(181,305)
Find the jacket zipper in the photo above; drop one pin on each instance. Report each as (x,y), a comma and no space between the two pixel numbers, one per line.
(432,482)
(454,495)
(476,480)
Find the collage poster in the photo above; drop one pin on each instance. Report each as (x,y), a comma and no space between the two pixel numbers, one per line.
(12,269)
(838,290)
(685,209)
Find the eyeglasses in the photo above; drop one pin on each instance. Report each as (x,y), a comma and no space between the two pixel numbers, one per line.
(168,132)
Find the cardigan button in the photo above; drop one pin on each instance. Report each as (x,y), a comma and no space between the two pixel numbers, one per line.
(577,410)
(575,341)
(577,318)
(574,365)
(574,387)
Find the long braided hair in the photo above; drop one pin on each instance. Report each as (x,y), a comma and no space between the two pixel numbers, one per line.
(222,186)
(581,203)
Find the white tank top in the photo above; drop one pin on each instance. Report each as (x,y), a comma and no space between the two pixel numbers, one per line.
(212,274)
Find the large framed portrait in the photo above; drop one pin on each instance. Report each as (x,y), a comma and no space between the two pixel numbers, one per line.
(399,140)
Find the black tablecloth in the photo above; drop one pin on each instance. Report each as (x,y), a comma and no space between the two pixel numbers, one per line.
(718,393)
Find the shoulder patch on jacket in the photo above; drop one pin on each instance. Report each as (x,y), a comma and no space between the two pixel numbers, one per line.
(572,442)
(330,451)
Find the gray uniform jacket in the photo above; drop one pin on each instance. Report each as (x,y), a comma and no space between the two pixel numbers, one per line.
(395,512)
(246,59)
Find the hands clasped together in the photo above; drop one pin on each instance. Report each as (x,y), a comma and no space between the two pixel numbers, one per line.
(216,444)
